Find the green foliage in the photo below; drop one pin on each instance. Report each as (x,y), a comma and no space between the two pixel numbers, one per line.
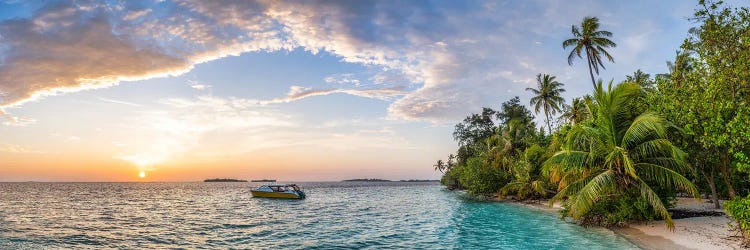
(547,97)
(616,155)
(642,79)
(617,211)
(475,127)
(593,41)
(479,178)
(707,94)
(739,210)
(528,181)
(514,110)
(577,112)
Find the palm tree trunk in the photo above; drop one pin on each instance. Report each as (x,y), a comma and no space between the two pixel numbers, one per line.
(591,70)
(549,127)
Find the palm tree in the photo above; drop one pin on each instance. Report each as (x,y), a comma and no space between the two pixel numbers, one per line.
(439,166)
(593,41)
(525,183)
(616,154)
(642,79)
(547,96)
(576,112)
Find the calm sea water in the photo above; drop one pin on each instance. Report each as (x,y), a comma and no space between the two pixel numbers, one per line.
(222,215)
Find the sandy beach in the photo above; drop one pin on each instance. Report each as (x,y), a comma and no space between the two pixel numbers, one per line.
(708,232)
(690,233)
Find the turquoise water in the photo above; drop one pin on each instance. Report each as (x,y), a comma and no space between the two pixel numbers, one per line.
(335,215)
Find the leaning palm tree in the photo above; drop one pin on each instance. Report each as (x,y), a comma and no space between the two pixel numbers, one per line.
(576,112)
(615,154)
(547,97)
(591,40)
(439,166)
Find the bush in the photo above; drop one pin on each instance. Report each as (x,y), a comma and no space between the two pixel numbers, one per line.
(616,211)
(739,210)
(480,178)
(451,178)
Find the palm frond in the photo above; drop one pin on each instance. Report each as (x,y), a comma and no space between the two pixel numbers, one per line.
(643,127)
(586,197)
(666,177)
(653,199)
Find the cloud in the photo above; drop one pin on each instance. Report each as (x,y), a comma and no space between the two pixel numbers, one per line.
(197,85)
(449,50)
(119,102)
(298,93)
(183,123)
(207,127)
(63,50)
(135,14)
(342,79)
(17,149)
(16,121)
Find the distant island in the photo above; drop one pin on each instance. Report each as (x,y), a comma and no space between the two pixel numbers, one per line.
(223,180)
(369,180)
(264,180)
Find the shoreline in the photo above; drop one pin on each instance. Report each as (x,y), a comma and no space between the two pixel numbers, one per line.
(703,232)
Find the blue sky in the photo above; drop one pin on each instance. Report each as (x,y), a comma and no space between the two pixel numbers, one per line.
(328,89)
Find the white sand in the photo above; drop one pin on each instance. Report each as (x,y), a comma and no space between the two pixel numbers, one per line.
(690,233)
(711,232)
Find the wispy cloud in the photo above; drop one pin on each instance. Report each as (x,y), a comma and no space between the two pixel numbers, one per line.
(17,149)
(119,102)
(298,92)
(183,122)
(11,120)
(198,85)
(343,79)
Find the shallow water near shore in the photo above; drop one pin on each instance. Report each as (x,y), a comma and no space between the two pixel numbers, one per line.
(220,215)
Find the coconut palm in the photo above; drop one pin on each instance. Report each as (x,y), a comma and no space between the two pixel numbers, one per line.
(576,112)
(615,154)
(593,41)
(547,97)
(642,79)
(526,181)
(439,166)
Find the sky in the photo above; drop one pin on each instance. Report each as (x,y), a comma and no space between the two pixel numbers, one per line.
(292,90)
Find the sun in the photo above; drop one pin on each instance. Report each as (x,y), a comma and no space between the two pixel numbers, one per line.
(142,174)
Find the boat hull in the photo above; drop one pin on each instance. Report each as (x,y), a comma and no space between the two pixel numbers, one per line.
(279,195)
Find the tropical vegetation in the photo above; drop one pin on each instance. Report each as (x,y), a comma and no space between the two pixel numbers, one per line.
(626,150)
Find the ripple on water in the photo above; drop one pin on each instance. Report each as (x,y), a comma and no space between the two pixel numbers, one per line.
(219,215)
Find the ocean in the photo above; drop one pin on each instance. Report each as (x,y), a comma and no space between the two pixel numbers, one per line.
(335,215)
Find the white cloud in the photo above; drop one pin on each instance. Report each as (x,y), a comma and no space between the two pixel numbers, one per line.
(342,79)
(298,92)
(119,102)
(197,85)
(446,48)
